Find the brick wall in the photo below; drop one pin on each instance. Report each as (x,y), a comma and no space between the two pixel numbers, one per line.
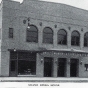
(50,14)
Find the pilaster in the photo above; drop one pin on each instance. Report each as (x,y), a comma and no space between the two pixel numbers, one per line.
(55,67)
(39,65)
(68,68)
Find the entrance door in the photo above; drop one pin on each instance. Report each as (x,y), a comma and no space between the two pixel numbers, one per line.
(48,64)
(74,67)
(13,68)
(61,67)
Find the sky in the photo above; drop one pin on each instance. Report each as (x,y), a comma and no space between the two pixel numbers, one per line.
(83,4)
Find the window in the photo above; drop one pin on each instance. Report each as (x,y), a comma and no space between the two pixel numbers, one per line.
(86,67)
(48,35)
(26,63)
(10,32)
(75,38)
(86,39)
(26,67)
(23,63)
(32,34)
(62,37)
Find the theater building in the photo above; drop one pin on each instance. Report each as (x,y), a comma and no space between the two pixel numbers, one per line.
(43,39)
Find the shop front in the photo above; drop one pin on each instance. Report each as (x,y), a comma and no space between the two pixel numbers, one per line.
(48,64)
(22,64)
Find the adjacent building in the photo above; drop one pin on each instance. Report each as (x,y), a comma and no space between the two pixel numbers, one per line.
(43,39)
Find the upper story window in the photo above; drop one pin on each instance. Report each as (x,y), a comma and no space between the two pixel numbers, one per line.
(48,35)
(75,38)
(86,39)
(10,32)
(62,37)
(32,34)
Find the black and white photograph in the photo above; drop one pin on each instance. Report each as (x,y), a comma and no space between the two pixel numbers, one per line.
(43,43)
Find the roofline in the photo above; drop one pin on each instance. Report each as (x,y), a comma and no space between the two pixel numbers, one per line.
(56,3)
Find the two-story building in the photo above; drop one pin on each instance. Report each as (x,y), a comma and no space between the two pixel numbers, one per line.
(43,39)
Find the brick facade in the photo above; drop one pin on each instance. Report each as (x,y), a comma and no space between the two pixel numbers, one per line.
(54,15)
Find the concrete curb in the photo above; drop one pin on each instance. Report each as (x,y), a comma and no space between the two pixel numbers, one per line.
(39,79)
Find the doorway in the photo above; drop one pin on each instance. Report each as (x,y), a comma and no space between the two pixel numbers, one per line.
(61,70)
(13,68)
(48,67)
(74,67)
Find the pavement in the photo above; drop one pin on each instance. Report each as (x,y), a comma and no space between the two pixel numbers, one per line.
(42,79)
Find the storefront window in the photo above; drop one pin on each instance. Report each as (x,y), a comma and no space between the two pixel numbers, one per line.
(23,63)
(26,67)
(26,63)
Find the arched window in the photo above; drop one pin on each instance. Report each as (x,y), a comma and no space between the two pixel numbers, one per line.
(32,34)
(75,38)
(48,35)
(86,39)
(62,37)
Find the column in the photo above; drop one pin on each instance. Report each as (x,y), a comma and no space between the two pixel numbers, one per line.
(69,39)
(40,36)
(55,62)
(81,40)
(39,65)
(68,68)
(55,38)
(80,67)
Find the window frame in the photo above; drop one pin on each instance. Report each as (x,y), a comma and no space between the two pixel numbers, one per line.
(45,38)
(75,39)
(16,57)
(32,38)
(86,40)
(62,35)
(11,32)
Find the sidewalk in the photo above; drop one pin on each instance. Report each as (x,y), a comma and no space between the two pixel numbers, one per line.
(41,79)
